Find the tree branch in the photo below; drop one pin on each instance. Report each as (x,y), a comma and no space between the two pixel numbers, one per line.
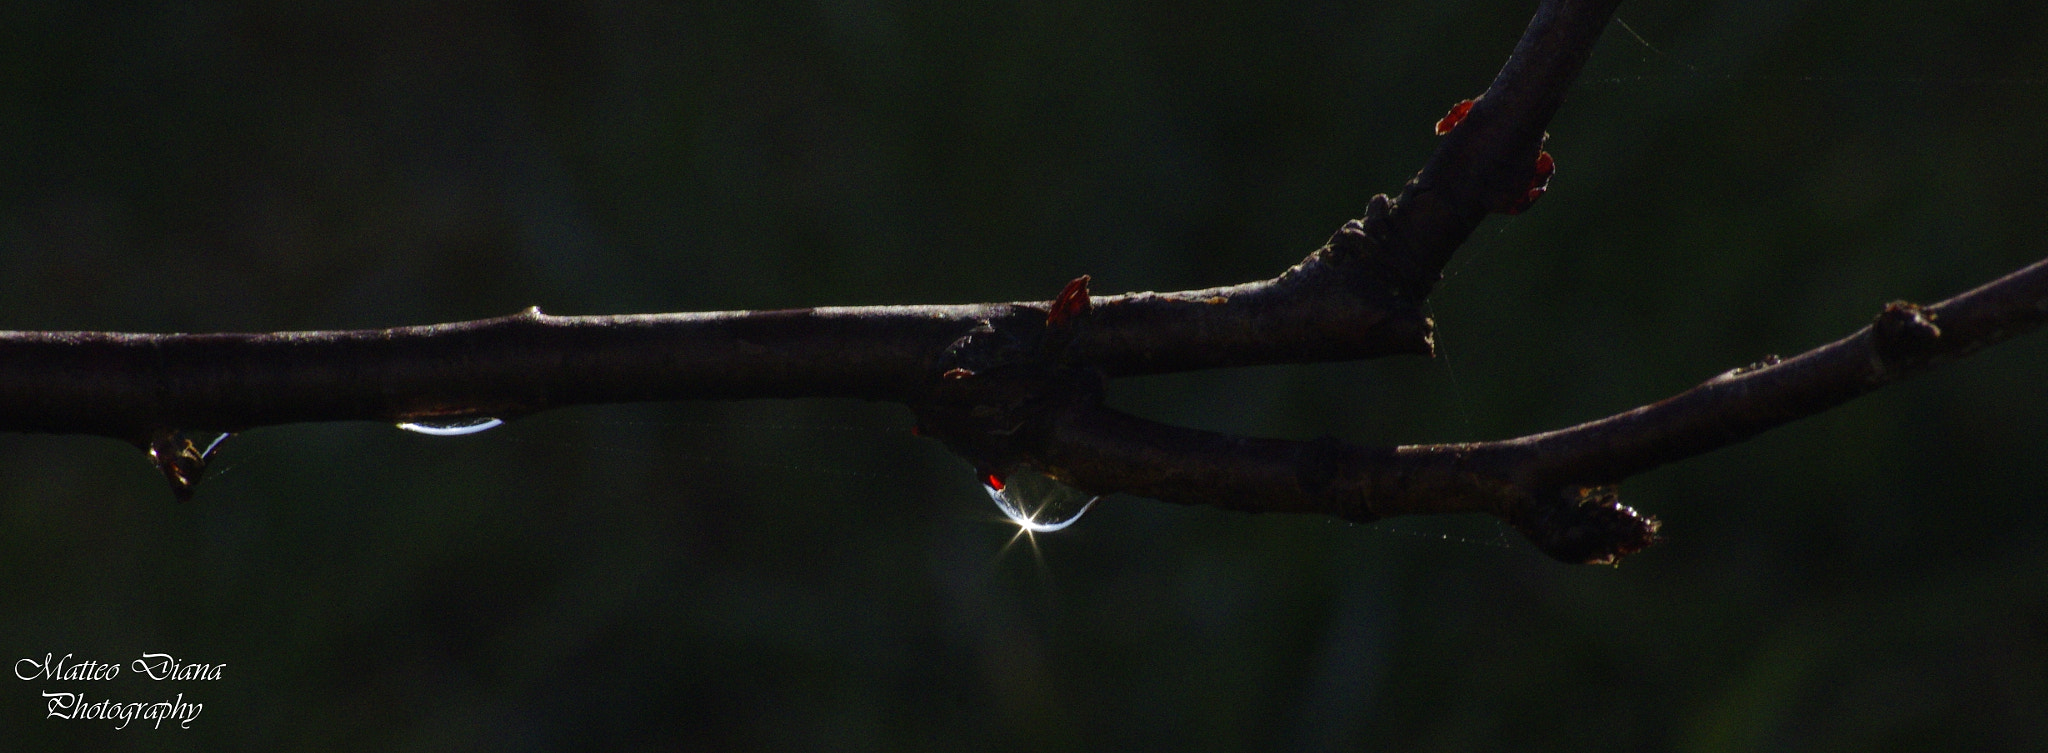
(127,385)
(1358,297)
(1904,340)
(1019,385)
(1550,486)
(1484,164)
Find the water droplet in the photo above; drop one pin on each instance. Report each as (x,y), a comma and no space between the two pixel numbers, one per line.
(455,427)
(181,459)
(1035,502)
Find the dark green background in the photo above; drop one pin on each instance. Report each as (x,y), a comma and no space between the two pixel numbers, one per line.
(806,575)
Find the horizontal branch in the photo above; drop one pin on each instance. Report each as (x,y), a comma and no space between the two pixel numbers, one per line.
(125,385)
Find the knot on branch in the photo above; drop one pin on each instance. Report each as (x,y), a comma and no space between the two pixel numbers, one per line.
(1001,385)
(1375,243)
(1583,525)
(1905,333)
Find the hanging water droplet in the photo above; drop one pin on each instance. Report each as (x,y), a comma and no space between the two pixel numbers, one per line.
(455,427)
(1035,502)
(181,460)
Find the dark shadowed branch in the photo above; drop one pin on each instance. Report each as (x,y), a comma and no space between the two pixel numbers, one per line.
(1484,164)
(1551,486)
(1359,297)
(1019,385)
(125,385)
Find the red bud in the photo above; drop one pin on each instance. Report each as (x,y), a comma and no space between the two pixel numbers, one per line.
(1072,302)
(1539,183)
(1451,119)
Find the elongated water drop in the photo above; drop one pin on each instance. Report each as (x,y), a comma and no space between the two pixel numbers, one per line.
(1035,502)
(452,427)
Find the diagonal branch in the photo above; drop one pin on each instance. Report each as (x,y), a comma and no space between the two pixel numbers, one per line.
(1484,163)
(1547,485)
(1904,340)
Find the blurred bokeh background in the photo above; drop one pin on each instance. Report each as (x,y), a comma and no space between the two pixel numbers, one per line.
(1735,179)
